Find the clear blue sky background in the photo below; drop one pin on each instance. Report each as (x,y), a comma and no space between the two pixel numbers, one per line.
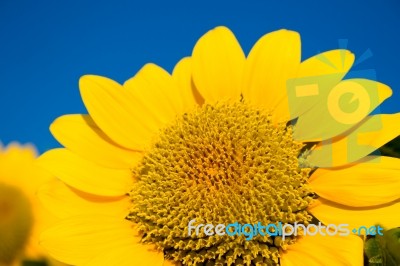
(45,46)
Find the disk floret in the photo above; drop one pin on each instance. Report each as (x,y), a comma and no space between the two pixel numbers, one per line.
(220,164)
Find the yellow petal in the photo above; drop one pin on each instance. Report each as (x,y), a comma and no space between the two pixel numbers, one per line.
(11,159)
(271,62)
(319,73)
(365,184)
(182,75)
(81,135)
(335,116)
(154,89)
(15,151)
(65,201)
(327,63)
(17,167)
(370,134)
(85,175)
(129,255)
(328,212)
(217,63)
(118,114)
(324,250)
(79,239)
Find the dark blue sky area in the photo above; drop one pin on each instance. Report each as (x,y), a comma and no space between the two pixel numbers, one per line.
(45,46)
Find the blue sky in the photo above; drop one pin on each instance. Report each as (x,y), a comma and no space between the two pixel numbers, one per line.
(45,46)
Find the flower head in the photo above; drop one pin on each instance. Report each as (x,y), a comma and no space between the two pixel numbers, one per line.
(226,138)
(21,215)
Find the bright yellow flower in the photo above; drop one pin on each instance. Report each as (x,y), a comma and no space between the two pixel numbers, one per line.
(211,142)
(21,215)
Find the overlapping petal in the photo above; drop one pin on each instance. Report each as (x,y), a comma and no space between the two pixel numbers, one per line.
(217,65)
(155,91)
(86,175)
(335,117)
(82,136)
(118,113)
(328,212)
(373,182)
(53,195)
(324,250)
(182,75)
(367,136)
(316,74)
(271,62)
(79,239)
(144,255)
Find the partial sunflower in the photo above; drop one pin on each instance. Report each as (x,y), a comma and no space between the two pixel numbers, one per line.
(212,142)
(21,215)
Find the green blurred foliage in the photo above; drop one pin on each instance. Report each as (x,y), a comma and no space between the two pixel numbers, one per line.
(392,148)
(383,250)
(34,263)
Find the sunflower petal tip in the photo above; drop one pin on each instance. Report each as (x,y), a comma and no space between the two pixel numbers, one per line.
(222,28)
(386,90)
(287,32)
(348,54)
(86,78)
(85,81)
(90,81)
(219,32)
(150,65)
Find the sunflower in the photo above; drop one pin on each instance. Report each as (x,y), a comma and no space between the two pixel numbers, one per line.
(221,140)
(21,215)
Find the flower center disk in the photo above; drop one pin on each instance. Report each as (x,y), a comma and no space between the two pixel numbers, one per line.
(220,164)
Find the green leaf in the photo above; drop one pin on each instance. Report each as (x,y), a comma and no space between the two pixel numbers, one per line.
(373,250)
(384,250)
(392,238)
